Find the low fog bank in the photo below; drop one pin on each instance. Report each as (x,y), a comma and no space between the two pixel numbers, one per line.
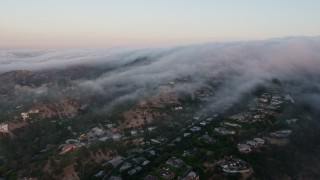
(237,67)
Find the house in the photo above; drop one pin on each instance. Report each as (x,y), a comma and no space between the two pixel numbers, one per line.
(206,138)
(263,100)
(230,124)
(146,162)
(175,162)
(152,152)
(161,138)
(281,133)
(24,116)
(115,161)
(252,143)
(276,100)
(104,138)
(4,127)
(154,141)
(95,132)
(114,130)
(36,111)
(191,176)
(132,171)
(151,128)
(133,133)
(83,137)
(244,148)
(238,117)
(186,134)
(203,123)
(235,165)
(70,141)
(195,128)
(145,143)
(177,108)
(166,173)
(178,139)
(125,166)
(258,116)
(276,97)
(67,148)
(291,121)
(209,119)
(110,126)
(224,131)
(99,174)
(116,136)
(288,98)
(139,160)
(135,170)
(259,140)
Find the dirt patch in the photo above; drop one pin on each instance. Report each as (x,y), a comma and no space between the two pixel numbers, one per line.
(64,108)
(16,124)
(136,117)
(69,173)
(100,156)
(163,99)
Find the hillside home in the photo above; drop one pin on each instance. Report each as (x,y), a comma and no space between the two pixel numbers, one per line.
(259,140)
(24,116)
(4,127)
(244,148)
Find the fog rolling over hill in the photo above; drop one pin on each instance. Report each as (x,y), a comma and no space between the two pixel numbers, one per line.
(235,110)
(236,67)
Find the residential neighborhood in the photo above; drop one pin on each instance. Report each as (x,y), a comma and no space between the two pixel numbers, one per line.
(219,143)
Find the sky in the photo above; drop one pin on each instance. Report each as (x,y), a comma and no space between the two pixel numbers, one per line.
(144,23)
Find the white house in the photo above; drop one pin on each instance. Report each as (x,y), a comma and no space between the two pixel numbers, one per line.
(230,124)
(133,133)
(116,136)
(154,141)
(195,128)
(96,131)
(203,123)
(4,127)
(259,140)
(281,133)
(291,121)
(151,128)
(125,166)
(110,125)
(36,111)
(186,134)
(244,148)
(209,119)
(252,143)
(24,116)
(224,131)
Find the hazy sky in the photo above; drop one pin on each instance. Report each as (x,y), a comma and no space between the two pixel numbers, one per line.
(113,23)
